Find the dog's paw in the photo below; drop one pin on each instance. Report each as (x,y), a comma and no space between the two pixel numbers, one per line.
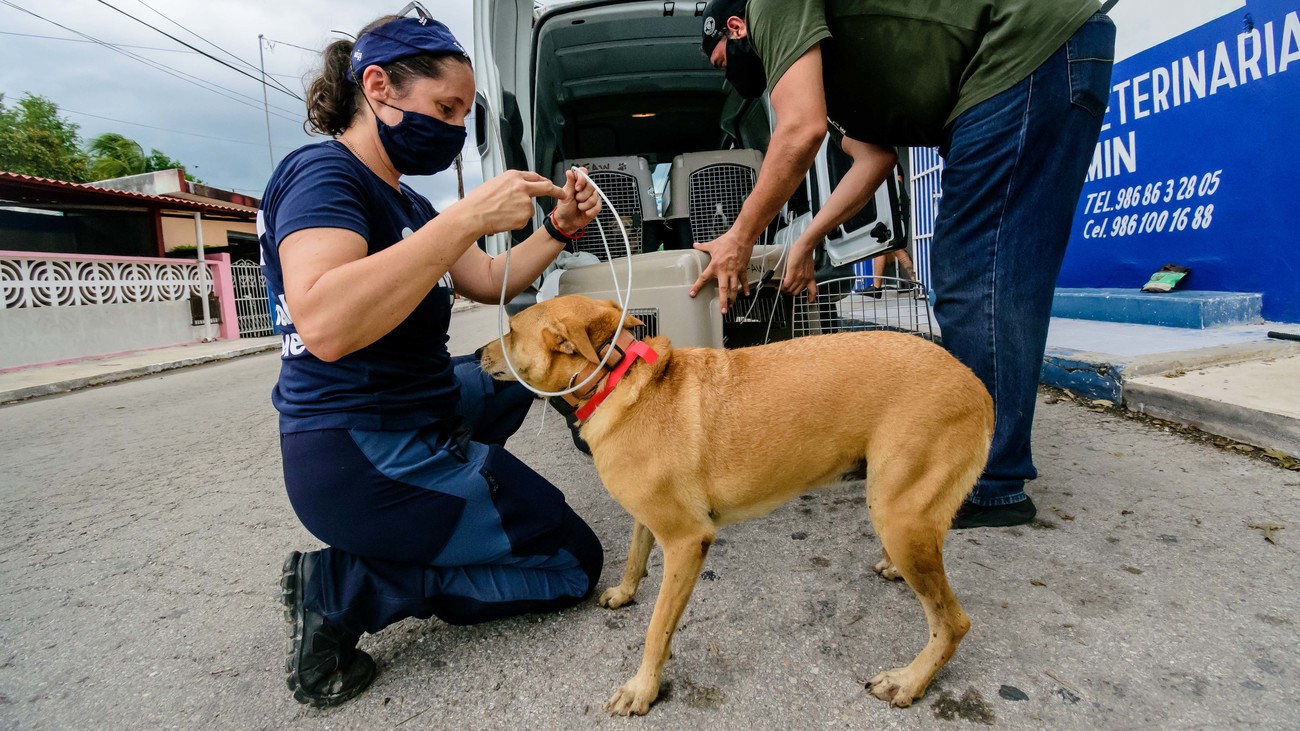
(887,569)
(896,687)
(632,699)
(617,596)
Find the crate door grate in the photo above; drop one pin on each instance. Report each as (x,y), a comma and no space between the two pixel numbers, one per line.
(852,304)
(716,194)
(649,316)
(625,195)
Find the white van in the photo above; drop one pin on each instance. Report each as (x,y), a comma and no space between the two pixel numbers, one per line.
(622,87)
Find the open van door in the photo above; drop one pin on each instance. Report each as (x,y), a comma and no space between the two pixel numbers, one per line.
(503,100)
(874,230)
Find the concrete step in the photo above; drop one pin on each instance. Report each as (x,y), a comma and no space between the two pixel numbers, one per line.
(1256,402)
(1185,309)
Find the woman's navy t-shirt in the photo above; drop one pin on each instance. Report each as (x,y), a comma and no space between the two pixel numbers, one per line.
(404,380)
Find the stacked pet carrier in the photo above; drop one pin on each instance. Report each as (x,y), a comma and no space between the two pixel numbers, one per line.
(705,193)
(627,183)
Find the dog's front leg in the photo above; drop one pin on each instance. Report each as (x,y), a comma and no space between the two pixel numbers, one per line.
(683,558)
(637,556)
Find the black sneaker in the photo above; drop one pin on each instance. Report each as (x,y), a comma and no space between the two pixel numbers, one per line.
(324,668)
(970,515)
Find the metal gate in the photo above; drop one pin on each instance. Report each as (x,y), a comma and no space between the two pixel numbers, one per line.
(927,176)
(251,301)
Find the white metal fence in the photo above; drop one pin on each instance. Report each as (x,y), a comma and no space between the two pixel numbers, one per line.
(251,299)
(927,176)
(60,307)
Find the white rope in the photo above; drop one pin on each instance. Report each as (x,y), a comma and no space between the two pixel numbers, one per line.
(623,299)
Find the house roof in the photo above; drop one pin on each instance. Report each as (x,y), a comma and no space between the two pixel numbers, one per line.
(32,190)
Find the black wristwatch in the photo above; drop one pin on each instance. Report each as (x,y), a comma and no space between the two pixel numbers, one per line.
(556,233)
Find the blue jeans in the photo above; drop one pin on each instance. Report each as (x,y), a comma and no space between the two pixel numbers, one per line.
(430,522)
(1014,168)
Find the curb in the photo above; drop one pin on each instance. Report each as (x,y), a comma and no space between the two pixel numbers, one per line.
(1101,376)
(1252,426)
(126,374)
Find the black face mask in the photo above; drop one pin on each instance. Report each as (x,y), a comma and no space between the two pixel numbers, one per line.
(420,144)
(745,68)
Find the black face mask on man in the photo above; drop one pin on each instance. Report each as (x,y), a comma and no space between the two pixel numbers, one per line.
(745,68)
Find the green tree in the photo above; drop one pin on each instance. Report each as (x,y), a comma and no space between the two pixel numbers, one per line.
(115,156)
(157,160)
(34,140)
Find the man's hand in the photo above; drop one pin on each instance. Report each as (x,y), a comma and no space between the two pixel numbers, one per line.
(799,273)
(728,262)
(799,103)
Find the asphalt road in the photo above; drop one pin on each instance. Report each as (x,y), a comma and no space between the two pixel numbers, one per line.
(142,526)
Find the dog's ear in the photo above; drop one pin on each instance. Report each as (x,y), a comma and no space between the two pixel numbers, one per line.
(629,323)
(558,338)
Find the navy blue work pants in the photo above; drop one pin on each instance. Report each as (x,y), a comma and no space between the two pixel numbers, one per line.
(420,524)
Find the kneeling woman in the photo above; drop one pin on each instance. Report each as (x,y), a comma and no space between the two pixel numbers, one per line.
(392,449)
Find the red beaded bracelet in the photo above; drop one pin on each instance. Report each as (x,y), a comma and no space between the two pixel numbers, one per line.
(553,229)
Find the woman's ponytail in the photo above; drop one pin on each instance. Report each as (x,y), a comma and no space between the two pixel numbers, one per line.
(331,98)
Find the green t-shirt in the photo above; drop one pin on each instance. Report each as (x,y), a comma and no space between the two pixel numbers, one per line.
(897,72)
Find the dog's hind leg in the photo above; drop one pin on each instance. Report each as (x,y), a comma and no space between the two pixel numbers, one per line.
(684,554)
(637,556)
(912,516)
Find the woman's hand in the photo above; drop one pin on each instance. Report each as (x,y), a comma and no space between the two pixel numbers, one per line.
(580,205)
(799,272)
(505,203)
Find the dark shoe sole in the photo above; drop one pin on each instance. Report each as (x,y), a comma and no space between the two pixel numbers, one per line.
(291,589)
(996,516)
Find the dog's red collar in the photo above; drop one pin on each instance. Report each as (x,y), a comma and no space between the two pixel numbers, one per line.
(629,350)
(621,344)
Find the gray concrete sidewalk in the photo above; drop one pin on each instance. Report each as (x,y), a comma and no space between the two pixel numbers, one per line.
(33,382)
(143,526)
(25,383)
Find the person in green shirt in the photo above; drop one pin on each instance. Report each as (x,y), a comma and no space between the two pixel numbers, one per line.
(1012,92)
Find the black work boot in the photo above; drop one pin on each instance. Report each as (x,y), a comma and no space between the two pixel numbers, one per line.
(970,515)
(325,667)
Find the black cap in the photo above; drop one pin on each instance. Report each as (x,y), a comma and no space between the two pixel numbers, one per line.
(716,13)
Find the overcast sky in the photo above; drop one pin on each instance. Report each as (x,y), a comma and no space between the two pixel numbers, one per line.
(221,140)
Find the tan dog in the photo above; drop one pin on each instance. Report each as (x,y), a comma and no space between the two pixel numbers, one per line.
(737,433)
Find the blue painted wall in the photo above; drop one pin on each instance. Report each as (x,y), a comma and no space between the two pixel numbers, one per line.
(1201,170)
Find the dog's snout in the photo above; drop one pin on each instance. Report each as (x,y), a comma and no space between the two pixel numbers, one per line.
(478,354)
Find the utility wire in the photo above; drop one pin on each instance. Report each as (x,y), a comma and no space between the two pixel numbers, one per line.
(292,45)
(162,129)
(83,40)
(201,83)
(296,77)
(214,45)
(278,87)
(196,35)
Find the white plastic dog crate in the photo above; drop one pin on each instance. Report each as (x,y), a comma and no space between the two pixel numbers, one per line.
(708,188)
(627,182)
(660,292)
